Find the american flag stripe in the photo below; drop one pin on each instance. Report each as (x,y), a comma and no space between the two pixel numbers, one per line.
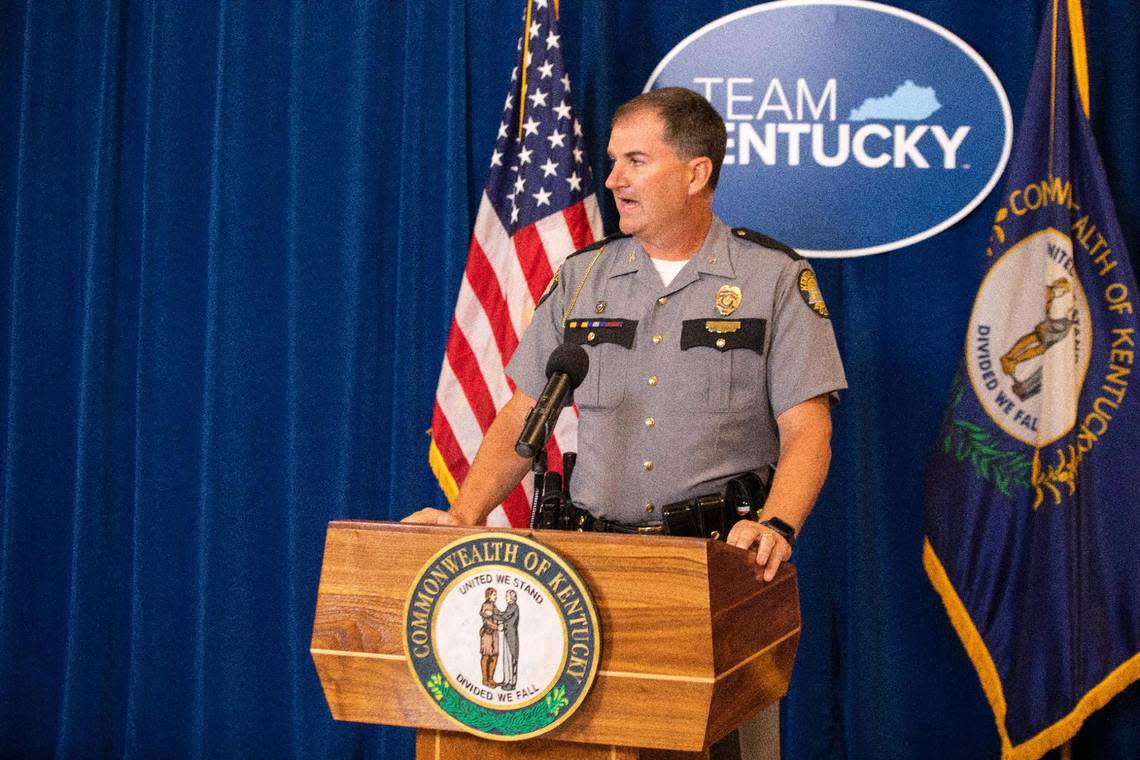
(507,272)
(479,331)
(461,424)
(475,390)
(537,208)
(578,222)
(490,297)
(554,235)
(533,258)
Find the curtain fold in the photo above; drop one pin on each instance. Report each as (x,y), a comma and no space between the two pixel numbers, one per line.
(232,237)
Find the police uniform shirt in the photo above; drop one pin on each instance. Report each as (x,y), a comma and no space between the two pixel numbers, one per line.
(680,395)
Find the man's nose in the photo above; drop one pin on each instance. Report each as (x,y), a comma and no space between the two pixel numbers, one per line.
(614,179)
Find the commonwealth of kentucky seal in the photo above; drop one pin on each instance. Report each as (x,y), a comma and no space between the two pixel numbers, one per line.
(502,635)
(1030,340)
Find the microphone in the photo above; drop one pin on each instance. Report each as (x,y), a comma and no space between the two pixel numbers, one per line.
(565,370)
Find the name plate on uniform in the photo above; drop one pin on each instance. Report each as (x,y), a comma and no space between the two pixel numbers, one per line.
(502,636)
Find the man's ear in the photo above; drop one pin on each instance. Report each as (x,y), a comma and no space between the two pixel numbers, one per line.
(700,170)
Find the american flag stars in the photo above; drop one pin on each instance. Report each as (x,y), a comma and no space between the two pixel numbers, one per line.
(537,98)
(538,161)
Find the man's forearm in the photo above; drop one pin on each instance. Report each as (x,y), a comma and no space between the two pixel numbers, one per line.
(497,469)
(805,455)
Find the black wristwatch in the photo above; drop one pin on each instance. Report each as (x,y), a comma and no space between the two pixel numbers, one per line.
(787,532)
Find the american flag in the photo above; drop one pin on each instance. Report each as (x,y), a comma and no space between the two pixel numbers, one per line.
(537,208)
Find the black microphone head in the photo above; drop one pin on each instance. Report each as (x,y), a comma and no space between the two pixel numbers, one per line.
(571,360)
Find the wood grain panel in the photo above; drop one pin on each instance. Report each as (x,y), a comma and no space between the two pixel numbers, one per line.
(651,621)
(442,745)
(681,620)
(437,745)
(373,690)
(767,614)
(619,710)
(752,686)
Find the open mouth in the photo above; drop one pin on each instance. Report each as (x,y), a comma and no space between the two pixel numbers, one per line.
(625,204)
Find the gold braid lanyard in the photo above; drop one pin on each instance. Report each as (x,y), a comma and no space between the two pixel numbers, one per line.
(581,284)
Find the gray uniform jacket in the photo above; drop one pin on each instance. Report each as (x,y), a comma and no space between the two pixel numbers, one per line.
(680,395)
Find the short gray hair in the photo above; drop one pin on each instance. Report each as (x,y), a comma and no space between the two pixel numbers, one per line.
(693,127)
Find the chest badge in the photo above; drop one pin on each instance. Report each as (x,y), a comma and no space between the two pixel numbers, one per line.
(728,299)
(600,307)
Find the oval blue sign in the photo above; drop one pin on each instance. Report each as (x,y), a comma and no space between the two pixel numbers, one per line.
(853,127)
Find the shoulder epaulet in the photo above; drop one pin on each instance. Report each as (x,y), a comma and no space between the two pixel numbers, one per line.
(764,240)
(599,243)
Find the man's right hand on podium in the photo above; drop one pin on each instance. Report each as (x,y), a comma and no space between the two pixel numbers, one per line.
(494,473)
(430,516)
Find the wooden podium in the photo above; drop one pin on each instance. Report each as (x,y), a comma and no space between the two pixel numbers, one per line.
(693,641)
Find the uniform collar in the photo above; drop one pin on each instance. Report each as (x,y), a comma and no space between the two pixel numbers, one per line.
(711,258)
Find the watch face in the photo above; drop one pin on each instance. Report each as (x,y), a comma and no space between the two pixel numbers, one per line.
(784,529)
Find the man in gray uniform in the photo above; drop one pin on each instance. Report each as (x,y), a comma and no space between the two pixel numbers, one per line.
(711,352)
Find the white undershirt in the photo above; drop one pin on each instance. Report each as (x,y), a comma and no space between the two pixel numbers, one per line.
(668,269)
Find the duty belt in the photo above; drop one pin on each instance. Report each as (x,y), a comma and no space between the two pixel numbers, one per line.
(708,516)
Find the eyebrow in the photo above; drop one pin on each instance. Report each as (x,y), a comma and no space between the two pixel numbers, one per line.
(627,154)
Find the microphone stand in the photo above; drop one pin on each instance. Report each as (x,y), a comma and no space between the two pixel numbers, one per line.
(538,467)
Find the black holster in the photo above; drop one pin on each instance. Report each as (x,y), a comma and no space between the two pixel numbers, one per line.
(713,515)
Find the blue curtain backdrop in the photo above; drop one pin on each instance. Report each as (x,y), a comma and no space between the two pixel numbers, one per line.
(232,236)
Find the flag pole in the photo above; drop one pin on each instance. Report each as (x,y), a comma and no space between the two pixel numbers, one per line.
(1080,53)
(526,52)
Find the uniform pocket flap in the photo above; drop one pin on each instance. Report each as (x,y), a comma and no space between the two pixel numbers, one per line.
(593,332)
(724,334)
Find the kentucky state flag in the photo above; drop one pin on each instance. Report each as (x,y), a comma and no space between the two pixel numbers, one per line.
(1033,495)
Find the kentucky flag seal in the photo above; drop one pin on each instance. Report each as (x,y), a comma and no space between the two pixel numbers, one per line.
(1032,504)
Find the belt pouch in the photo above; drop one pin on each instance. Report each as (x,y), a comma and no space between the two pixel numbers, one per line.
(681,519)
(711,513)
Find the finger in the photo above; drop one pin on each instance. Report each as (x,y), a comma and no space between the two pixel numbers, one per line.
(429,516)
(764,551)
(741,535)
(772,567)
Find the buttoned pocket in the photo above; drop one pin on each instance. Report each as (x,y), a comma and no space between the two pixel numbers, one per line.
(730,352)
(607,343)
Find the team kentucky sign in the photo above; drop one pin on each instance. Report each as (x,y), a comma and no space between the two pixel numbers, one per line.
(853,127)
(502,636)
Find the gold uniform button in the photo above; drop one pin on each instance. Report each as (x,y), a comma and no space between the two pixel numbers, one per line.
(649,507)
(663,300)
(648,466)
(653,379)
(656,339)
(650,422)
(719,342)
(590,336)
